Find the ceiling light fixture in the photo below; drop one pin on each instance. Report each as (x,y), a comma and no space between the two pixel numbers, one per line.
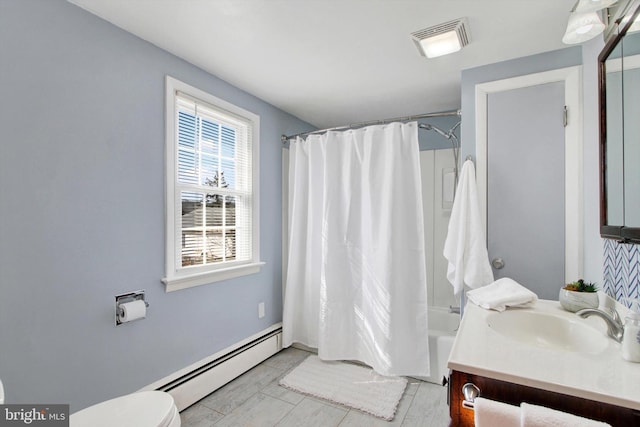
(584,21)
(582,27)
(442,39)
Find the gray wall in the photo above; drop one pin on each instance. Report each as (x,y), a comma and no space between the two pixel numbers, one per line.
(585,55)
(82,212)
(504,70)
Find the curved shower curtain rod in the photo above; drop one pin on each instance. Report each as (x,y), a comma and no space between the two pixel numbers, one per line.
(447,135)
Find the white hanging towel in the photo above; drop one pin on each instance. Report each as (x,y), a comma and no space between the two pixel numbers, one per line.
(465,247)
(491,413)
(540,416)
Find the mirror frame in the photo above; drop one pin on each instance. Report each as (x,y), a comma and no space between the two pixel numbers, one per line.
(619,232)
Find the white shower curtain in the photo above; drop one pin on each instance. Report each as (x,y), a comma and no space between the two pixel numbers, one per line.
(356,280)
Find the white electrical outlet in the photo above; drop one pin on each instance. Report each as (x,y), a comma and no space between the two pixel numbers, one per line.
(260,310)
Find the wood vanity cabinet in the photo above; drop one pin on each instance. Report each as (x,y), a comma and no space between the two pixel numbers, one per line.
(515,394)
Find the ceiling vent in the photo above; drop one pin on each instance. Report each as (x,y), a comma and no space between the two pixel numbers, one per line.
(442,39)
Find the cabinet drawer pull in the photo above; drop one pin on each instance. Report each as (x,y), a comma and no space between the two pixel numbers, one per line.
(470,391)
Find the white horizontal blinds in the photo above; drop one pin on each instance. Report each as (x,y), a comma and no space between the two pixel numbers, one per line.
(213,184)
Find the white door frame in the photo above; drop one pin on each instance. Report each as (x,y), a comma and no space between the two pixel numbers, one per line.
(572,78)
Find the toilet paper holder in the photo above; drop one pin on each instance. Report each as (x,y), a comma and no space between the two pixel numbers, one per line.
(128,297)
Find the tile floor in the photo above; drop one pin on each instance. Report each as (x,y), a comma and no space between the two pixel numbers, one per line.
(256,399)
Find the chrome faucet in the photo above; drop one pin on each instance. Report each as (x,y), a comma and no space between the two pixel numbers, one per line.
(615,328)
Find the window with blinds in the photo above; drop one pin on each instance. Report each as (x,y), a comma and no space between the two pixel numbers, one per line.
(212,183)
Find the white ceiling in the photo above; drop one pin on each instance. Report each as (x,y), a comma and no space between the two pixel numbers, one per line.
(334,62)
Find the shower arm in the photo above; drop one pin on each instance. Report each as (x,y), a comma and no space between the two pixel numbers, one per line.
(447,135)
(436,129)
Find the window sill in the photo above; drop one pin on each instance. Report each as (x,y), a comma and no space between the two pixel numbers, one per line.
(184,282)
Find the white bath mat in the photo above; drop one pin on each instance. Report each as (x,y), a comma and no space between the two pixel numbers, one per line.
(350,385)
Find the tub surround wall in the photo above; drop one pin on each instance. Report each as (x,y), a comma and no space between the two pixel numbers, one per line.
(437,176)
(436,154)
(82,212)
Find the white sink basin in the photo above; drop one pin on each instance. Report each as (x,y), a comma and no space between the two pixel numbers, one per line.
(548,331)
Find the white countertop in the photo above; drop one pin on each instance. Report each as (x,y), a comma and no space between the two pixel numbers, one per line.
(604,377)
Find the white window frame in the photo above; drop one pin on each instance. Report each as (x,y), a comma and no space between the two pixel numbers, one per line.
(178,277)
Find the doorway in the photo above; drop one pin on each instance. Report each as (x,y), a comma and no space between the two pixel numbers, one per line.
(525,186)
(505,140)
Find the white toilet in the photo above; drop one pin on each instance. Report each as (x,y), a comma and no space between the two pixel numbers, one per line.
(143,409)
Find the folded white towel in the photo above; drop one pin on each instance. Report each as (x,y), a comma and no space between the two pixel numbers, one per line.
(539,416)
(489,413)
(465,246)
(501,294)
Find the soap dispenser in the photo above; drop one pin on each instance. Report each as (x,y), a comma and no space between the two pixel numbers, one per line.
(631,337)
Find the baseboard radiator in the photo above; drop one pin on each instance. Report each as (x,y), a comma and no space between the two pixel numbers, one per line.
(202,381)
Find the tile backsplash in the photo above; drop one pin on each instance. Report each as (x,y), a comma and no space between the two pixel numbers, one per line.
(621,270)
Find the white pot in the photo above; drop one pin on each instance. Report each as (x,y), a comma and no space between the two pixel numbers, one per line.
(574,301)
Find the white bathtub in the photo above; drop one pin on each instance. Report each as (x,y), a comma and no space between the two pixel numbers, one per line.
(443,327)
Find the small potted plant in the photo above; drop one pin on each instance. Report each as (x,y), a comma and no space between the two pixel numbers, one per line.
(578,295)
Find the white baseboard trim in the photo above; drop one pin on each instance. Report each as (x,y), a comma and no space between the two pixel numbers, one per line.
(192,383)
